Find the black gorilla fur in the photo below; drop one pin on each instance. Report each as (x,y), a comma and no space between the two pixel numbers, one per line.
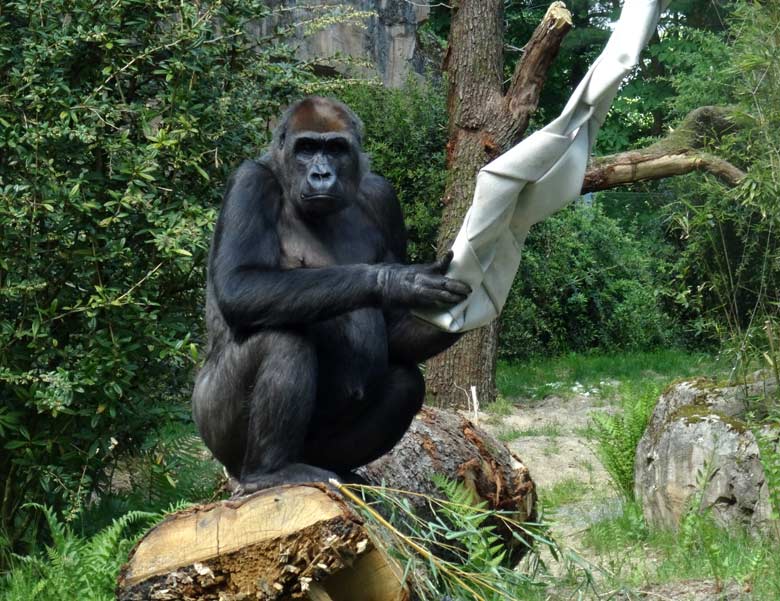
(311,366)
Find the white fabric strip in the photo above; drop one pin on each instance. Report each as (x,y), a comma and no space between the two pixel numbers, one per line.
(537,177)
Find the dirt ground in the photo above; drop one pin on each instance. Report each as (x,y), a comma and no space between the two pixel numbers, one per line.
(553,445)
(549,437)
(551,442)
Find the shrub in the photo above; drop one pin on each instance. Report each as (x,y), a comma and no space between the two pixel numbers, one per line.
(406,134)
(583,283)
(75,567)
(120,121)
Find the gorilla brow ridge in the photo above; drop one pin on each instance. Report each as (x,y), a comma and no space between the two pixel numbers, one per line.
(320,114)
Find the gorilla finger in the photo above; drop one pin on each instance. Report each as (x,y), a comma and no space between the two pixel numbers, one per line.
(442,265)
(449,285)
(457,286)
(436,283)
(448,298)
(443,297)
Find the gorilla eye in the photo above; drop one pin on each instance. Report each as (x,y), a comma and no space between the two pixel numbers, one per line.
(336,147)
(306,147)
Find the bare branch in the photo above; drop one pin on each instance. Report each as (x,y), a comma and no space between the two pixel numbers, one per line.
(679,153)
(635,166)
(522,97)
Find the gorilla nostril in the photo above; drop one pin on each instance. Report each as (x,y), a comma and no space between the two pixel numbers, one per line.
(321,179)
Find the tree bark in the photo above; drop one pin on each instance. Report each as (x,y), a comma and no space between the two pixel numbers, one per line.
(649,164)
(484,122)
(306,541)
(445,442)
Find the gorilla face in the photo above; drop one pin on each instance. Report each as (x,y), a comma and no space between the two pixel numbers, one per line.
(325,169)
(320,159)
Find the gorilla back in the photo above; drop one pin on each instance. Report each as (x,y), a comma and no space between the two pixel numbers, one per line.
(311,367)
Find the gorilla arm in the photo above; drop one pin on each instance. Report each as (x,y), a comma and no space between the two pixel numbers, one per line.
(253,292)
(410,339)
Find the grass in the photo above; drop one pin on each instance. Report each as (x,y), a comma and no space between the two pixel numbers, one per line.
(501,407)
(598,373)
(629,556)
(552,430)
(635,555)
(564,492)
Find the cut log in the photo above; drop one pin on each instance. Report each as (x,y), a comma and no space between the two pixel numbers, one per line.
(306,542)
(283,543)
(445,442)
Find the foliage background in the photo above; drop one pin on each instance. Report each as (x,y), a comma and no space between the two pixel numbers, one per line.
(119,122)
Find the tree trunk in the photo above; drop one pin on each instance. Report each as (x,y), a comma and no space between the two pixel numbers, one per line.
(484,122)
(305,541)
(445,442)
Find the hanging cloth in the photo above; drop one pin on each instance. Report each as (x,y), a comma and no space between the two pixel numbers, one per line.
(537,177)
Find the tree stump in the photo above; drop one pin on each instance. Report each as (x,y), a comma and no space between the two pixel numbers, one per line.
(286,542)
(304,541)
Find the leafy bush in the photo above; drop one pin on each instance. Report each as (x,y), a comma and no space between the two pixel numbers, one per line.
(119,124)
(406,134)
(583,283)
(728,267)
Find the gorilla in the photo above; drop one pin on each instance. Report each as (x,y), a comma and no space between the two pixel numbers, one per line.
(312,358)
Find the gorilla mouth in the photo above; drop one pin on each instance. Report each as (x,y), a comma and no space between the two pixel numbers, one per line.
(319,197)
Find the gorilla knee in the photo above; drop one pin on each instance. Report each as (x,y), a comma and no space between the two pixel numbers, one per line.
(410,384)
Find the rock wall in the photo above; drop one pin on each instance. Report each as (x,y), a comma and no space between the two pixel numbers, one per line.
(387,40)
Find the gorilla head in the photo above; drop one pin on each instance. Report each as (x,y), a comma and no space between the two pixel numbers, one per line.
(318,155)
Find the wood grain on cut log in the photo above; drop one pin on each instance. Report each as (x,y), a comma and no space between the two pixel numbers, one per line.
(445,442)
(286,542)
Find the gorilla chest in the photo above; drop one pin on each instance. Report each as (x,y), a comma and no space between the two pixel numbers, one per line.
(351,347)
(341,240)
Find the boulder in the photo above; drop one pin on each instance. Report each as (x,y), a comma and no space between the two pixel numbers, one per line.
(697,453)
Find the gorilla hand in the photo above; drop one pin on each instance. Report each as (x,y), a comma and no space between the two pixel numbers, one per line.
(421,285)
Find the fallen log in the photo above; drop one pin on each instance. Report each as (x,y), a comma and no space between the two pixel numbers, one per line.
(447,443)
(305,541)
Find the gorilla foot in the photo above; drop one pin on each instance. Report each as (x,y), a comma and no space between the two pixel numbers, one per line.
(349,477)
(294,473)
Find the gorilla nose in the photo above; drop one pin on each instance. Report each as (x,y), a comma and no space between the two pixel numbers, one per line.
(320,179)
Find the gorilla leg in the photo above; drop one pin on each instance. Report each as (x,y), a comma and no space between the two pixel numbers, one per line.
(388,412)
(253,405)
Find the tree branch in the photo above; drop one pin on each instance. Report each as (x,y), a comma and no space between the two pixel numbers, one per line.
(679,153)
(522,97)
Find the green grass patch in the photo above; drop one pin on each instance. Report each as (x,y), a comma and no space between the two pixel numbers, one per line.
(578,373)
(564,492)
(636,555)
(501,407)
(552,430)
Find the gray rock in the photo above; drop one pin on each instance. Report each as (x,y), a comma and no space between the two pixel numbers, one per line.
(696,443)
(388,40)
